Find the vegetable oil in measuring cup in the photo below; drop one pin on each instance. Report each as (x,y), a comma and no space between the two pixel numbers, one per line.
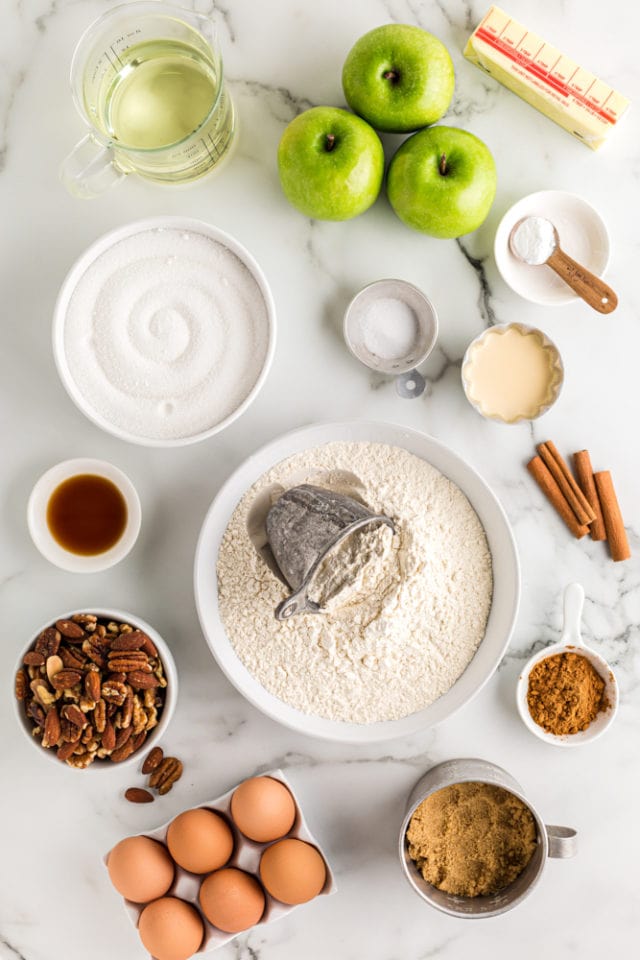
(164,95)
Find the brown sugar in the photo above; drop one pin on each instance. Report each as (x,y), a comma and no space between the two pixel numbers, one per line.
(471,839)
(565,693)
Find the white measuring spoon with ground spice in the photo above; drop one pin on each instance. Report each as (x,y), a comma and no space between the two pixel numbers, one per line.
(534,240)
(567,694)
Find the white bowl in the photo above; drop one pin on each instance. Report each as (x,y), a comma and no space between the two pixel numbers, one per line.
(571,642)
(583,235)
(558,368)
(85,261)
(39,529)
(506,574)
(171,690)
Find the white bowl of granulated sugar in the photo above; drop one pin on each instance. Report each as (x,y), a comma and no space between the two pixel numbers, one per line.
(164,331)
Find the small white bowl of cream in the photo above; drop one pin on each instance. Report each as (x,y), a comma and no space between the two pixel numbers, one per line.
(512,372)
(164,331)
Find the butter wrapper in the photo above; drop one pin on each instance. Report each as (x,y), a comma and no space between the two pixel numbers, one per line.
(545,78)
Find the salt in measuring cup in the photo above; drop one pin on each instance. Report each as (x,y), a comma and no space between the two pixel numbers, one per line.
(147,79)
(391,326)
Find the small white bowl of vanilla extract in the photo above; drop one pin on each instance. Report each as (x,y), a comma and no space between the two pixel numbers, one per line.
(84,515)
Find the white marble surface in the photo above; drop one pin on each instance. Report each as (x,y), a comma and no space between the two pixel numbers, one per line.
(281,57)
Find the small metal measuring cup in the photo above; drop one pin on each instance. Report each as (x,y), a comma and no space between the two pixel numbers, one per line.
(409,383)
(552,841)
(303,526)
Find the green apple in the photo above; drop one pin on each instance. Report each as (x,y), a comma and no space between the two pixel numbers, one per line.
(331,164)
(399,78)
(442,181)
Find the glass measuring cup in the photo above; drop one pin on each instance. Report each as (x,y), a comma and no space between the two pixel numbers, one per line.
(147,79)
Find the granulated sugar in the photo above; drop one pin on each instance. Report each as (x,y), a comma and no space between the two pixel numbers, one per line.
(166,334)
(409,641)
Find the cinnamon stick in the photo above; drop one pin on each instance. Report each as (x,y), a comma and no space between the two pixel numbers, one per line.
(584,472)
(564,478)
(545,480)
(613,522)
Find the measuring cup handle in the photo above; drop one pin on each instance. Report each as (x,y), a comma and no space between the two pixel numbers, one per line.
(573,603)
(563,841)
(90,169)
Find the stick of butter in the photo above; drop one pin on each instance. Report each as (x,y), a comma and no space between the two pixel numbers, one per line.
(552,83)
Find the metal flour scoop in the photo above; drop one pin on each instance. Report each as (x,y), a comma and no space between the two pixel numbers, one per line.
(303,526)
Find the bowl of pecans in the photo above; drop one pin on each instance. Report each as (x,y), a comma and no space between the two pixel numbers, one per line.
(95,689)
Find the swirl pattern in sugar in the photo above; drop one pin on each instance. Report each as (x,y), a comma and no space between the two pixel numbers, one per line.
(166,334)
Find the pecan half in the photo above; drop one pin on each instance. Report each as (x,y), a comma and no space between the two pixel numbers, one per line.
(127,664)
(138,795)
(127,712)
(72,658)
(66,750)
(100,716)
(69,732)
(21,685)
(33,659)
(74,715)
(92,685)
(65,679)
(51,729)
(70,630)
(109,737)
(142,681)
(128,641)
(123,752)
(153,760)
(122,736)
(48,642)
(165,775)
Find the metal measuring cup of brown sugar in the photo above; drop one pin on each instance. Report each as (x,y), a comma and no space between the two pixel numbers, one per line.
(552,841)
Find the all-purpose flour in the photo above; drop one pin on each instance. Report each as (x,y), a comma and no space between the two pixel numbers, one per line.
(166,333)
(407,643)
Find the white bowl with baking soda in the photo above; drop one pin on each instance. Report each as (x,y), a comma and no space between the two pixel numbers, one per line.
(164,331)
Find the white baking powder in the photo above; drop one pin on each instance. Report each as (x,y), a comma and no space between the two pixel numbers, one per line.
(534,240)
(408,642)
(389,328)
(166,334)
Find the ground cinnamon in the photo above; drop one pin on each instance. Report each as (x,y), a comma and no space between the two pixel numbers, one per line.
(565,693)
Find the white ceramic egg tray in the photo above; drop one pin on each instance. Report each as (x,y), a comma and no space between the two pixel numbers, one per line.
(246,856)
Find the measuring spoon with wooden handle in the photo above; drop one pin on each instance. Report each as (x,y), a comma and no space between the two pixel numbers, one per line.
(586,284)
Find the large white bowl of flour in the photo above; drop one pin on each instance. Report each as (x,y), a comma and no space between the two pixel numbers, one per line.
(257,657)
(164,331)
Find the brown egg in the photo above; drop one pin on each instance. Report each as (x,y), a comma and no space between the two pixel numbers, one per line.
(171,929)
(200,840)
(292,871)
(232,900)
(263,809)
(140,869)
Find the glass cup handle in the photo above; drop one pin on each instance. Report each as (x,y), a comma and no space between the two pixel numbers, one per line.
(90,169)
(562,841)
